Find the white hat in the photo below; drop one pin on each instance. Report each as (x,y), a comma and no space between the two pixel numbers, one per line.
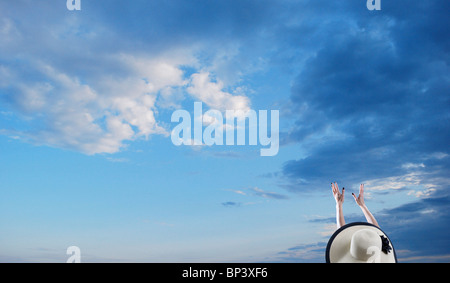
(360,242)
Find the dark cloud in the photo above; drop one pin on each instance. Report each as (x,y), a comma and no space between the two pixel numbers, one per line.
(231,204)
(419,230)
(177,22)
(374,95)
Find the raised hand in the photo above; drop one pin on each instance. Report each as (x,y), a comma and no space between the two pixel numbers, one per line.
(360,199)
(339,197)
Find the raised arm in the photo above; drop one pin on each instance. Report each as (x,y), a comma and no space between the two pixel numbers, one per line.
(360,201)
(340,221)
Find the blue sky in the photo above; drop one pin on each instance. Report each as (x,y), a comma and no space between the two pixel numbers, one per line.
(86,99)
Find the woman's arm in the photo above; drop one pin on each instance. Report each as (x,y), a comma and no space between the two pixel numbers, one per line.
(360,201)
(340,221)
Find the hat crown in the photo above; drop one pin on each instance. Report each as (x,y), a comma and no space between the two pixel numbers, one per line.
(363,244)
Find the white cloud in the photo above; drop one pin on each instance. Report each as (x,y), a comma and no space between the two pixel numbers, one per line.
(423,194)
(419,184)
(438,155)
(74,90)
(239,192)
(211,93)
(8,32)
(393,183)
(33,97)
(269,195)
(160,72)
(413,165)
(327,230)
(97,116)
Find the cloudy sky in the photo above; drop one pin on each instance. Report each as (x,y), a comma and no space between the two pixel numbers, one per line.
(86,99)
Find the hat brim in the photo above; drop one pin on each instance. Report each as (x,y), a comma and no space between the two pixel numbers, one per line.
(338,248)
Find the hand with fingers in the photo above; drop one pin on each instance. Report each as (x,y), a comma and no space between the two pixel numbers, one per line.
(338,196)
(360,199)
